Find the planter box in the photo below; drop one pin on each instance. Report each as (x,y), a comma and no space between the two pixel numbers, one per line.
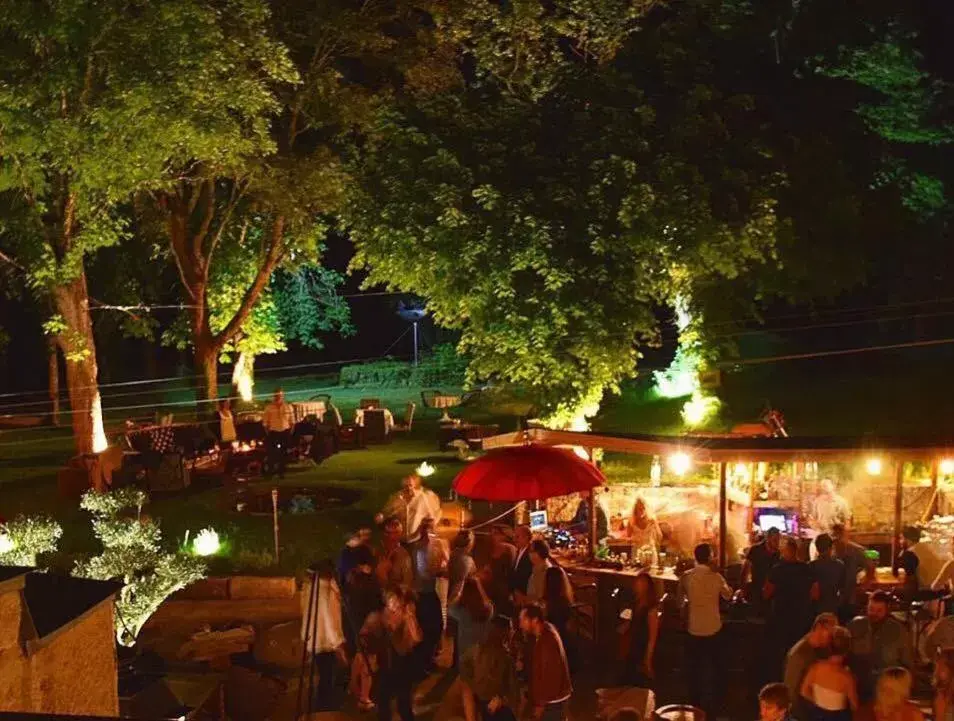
(246,588)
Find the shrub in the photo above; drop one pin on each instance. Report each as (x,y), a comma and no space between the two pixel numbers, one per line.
(26,537)
(131,552)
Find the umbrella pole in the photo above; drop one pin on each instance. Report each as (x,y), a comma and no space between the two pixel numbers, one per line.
(593,523)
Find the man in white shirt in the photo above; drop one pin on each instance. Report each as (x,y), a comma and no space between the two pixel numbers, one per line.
(701,590)
(278,421)
(411,505)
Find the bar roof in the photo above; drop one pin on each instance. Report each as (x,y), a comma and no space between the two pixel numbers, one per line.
(734,449)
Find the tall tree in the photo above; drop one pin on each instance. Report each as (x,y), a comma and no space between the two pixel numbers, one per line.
(98,102)
(350,59)
(550,230)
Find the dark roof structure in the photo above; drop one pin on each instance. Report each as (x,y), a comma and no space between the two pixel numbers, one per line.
(56,601)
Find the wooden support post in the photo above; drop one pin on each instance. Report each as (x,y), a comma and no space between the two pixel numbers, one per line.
(723,517)
(750,516)
(898,507)
(935,471)
(275,520)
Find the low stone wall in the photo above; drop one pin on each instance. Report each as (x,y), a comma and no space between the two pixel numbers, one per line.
(260,602)
(238,588)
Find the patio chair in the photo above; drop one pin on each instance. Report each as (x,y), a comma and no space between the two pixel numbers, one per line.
(323,397)
(346,435)
(405,426)
(375,426)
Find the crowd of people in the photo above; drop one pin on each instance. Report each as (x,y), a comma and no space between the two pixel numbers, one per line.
(395,602)
(825,658)
(399,601)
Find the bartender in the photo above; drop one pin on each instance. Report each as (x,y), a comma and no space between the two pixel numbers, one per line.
(644,531)
(829,509)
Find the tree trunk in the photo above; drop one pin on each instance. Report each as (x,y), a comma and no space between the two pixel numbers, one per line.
(207,368)
(53,380)
(79,352)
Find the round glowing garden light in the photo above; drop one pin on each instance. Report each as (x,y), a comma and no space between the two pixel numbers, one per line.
(946,466)
(873,466)
(206,543)
(680,463)
(425,469)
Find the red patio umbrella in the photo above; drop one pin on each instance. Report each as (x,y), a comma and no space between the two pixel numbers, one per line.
(527,473)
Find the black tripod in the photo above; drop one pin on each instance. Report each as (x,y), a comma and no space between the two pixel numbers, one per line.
(308,658)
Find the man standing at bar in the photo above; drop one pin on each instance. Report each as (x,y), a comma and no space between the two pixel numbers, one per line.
(855,560)
(760,559)
(278,421)
(522,567)
(788,589)
(700,590)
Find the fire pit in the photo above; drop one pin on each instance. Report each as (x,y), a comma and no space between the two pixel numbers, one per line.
(257,501)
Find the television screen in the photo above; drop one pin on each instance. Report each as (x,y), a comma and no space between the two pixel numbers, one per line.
(538,521)
(768,521)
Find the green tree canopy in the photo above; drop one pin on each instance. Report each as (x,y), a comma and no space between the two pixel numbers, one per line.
(101,101)
(550,231)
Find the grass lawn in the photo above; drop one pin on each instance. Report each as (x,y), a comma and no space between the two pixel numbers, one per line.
(31,457)
(905,399)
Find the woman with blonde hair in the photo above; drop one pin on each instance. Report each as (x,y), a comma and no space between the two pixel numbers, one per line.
(892,700)
(944,683)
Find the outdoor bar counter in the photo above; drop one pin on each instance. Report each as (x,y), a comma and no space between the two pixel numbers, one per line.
(612,586)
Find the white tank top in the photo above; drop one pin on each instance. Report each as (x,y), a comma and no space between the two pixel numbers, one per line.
(829,700)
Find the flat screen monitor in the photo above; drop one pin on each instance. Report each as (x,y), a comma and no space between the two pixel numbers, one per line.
(538,521)
(768,521)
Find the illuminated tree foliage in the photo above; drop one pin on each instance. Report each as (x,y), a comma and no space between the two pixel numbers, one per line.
(132,552)
(549,230)
(348,60)
(26,537)
(300,305)
(102,101)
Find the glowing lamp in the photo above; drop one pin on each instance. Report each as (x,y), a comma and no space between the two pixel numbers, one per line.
(947,466)
(6,543)
(873,466)
(425,469)
(741,470)
(206,543)
(680,463)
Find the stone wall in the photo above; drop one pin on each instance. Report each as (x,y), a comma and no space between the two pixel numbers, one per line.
(72,671)
(13,670)
(75,670)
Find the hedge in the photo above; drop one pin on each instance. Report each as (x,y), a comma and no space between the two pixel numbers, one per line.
(443,367)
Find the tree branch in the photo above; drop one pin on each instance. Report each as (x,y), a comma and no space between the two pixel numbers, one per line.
(7,259)
(238,190)
(273,257)
(177,229)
